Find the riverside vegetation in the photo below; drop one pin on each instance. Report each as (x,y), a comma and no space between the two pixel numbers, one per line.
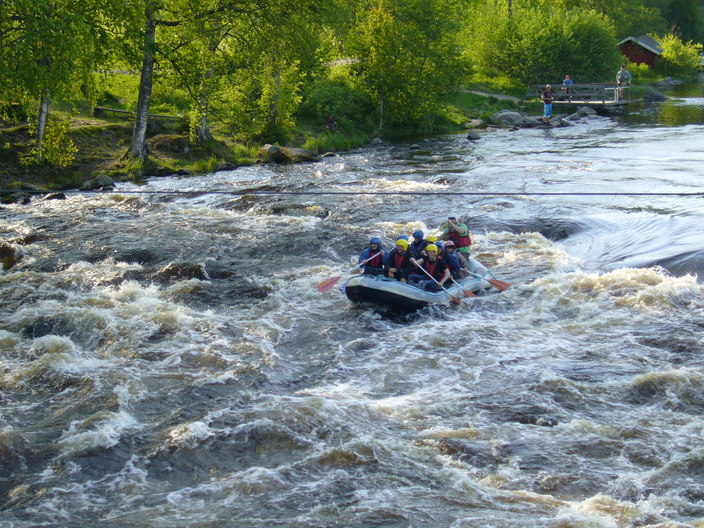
(199,86)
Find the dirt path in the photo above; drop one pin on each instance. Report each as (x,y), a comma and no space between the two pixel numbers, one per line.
(498,96)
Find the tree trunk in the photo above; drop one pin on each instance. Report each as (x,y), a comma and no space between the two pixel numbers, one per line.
(203,126)
(274,105)
(43,118)
(138,145)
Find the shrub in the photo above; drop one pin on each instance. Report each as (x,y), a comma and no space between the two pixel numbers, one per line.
(327,97)
(679,58)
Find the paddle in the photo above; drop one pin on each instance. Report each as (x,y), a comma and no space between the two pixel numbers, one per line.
(329,283)
(499,285)
(466,293)
(440,229)
(454,299)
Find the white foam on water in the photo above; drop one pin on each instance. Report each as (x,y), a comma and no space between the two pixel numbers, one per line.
(102,430)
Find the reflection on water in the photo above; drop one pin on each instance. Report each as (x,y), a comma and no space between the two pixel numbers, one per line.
(685,106)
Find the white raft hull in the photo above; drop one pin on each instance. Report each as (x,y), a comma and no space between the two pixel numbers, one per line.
(390,293)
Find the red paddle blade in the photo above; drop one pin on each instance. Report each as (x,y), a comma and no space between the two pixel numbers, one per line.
(499,285)
(328,283)
(455,300)
(468,293)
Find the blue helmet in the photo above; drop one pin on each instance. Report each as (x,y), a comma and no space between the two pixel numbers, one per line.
(418,234)
(375,240)
(441,245)
(402,237)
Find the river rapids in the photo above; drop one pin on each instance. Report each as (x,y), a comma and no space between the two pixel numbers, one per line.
(166,359)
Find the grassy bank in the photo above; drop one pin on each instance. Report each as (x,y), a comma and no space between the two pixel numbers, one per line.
(101,143)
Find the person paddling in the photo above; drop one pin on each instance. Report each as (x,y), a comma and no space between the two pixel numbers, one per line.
(374,257)
(435,267)
(398,264)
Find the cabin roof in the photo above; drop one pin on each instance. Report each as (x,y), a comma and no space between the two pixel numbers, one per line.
(646,42)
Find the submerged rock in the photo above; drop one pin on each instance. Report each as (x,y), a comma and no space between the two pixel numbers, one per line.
(299,210)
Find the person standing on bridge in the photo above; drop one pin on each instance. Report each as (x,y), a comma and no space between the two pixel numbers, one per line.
(567,87)
(623,78)
(547,104)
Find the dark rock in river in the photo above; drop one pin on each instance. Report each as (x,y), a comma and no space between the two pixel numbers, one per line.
(43,326)
(182,270)
(101,181)
(136,256)
(653,95)
(668,83)
(18,197)
(14,449)
(473,135)
(298,210)
(9,255)
(475,453)
(280,154)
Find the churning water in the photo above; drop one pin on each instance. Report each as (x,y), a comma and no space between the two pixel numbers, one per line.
(166,359)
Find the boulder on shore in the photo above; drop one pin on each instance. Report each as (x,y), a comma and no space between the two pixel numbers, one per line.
(652,95)
(508,118)
(279,154)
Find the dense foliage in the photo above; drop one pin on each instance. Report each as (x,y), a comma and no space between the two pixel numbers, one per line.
(255,70)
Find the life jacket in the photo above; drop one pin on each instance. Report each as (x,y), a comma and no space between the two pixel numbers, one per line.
(435,269)
(399,260)
(376,262)
(460,241)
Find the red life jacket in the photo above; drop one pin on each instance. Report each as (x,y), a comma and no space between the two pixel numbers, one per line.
(460,241)
(433,269)
(376,262)
(398,260)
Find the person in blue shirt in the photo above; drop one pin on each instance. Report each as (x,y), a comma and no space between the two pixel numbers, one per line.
(417,246)
(452,259)
(372,258)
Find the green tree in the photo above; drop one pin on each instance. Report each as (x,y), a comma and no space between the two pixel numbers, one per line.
(49,49)
(685,19)
(679,58)
(409,60)
(541,45)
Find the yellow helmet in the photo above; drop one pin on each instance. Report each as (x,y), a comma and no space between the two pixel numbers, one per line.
(403,243)
(431,238)
(431,247)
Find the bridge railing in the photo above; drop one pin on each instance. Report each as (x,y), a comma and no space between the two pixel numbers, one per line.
(584,93)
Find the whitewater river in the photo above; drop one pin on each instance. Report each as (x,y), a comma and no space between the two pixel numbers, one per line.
(166,359)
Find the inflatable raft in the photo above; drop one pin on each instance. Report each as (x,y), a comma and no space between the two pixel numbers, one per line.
(398,296)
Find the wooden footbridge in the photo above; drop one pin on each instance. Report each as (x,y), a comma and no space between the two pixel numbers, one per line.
(593,95)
